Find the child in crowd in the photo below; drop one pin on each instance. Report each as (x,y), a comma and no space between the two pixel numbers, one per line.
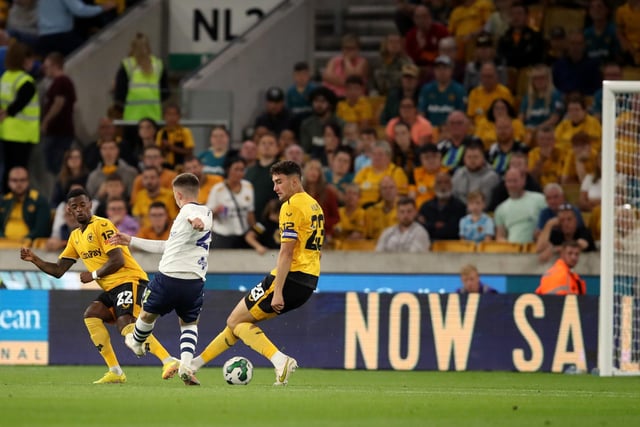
(476,226)
(297,98)
(265,234)
(175,140)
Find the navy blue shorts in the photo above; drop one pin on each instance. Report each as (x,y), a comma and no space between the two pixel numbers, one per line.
(164,294)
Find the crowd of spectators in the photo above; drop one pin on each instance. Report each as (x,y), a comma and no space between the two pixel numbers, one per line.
(477,125)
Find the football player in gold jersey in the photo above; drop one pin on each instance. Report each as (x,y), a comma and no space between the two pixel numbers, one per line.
(117,273)
(289,285)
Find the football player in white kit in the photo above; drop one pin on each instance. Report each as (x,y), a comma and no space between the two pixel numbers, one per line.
(179,284)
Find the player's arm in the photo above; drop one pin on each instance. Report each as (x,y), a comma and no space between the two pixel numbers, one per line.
(285,258)
(155,246)
(52,269)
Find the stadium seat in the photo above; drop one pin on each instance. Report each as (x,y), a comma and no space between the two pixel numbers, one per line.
(10,244)
(356,245)
(499,247)
(631,73)
(39,243)
(453,246)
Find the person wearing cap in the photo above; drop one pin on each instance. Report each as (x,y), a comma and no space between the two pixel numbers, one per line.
(484,52)
(560,279)
(443,95)
(556,46)
(275,117)
(392,60)
(563,227)
(409,88)
(521,46)
(323,104)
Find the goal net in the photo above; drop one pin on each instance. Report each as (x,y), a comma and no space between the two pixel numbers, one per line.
(619,318)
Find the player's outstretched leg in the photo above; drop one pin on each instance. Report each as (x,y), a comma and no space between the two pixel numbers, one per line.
(188,342)
(224,341)
(255,338)
(100,338)
(141,332)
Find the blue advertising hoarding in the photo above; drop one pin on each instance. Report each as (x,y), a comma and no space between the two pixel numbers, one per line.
(24,327)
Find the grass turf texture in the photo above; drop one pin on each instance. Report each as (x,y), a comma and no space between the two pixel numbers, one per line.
(64,396)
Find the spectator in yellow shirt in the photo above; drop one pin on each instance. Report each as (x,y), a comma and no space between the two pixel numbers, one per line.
(355,108)
(580,160)
(578,120)
(546,160)
(352,217)
(175,140)
(467,21)
(628,30)
(486,126)
(370,176)
(152,192)
(481,97)
(159,223)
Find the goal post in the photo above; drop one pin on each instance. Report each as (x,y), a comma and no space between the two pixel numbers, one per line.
(619,314)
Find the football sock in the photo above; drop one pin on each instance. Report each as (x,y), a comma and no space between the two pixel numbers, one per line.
(188,341)
(155,348)
(142,330)
(220,344)
(100,338)
(153,345)
(253,336)
(278,359)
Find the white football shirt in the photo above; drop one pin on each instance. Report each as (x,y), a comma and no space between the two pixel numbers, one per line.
(186,252)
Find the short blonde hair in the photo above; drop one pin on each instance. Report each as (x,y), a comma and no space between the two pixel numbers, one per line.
(475,195)
(468,269)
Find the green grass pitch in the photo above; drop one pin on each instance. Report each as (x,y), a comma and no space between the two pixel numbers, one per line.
(64,396)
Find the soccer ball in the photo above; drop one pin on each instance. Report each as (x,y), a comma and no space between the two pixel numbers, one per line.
(237,371)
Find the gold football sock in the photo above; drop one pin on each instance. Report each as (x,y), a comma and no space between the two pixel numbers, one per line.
(220,344)
(100,338)
(154,346)
(253,336)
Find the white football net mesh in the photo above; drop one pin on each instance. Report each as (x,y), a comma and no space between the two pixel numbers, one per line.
(626,279)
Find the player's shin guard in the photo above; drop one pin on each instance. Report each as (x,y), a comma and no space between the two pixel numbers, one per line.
(253,336)
(100,338)
(188,342)
(225,340)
